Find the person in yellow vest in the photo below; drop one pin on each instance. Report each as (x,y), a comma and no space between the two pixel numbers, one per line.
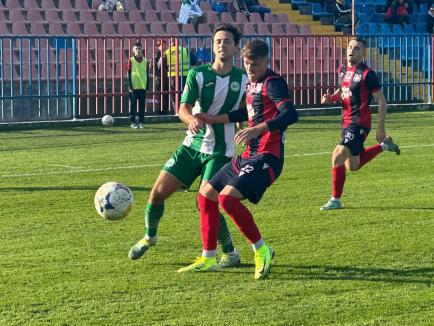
(178,61)
(138,77)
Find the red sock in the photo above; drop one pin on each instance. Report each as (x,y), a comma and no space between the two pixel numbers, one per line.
(369,154)
(338,180)
(241,216)
(209,222)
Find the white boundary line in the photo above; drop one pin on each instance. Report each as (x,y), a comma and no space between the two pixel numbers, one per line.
(5,176)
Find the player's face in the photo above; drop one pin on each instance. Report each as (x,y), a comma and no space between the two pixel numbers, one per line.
(224,46)
(137,51)
(256,68)
(355,52)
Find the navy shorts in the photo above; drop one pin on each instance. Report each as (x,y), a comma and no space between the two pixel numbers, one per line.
(251,177)
(353,137)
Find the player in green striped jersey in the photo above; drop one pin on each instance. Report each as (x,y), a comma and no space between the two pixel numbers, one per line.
(214,89)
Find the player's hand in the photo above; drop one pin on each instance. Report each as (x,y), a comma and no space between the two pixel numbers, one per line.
(195,125)
(245,135)
(326,98)
(205,117)
(381,135)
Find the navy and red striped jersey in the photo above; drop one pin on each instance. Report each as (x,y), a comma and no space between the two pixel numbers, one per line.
(357,85)
(264,100)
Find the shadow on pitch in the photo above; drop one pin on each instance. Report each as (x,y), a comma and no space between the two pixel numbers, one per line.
(424,276)
(66,188)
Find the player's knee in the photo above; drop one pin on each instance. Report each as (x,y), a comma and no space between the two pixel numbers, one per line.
(158,195)
(226,201)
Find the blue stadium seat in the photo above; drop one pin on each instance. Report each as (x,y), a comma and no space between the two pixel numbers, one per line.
(421,28)
(362,29)
(318,11)
(385,29)
(373,29)
(409,29)
(397,29)
(423,8)
(376,18)
(363,17)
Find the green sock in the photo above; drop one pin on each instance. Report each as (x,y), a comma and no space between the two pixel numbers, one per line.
(224,236)
(153,214)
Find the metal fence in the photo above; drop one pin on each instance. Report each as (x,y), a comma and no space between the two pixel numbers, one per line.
(61,78)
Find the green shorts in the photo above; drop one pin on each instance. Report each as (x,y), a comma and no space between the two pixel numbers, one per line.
(187,164)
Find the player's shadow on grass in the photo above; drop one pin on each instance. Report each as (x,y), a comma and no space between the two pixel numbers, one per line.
(66,188)
(424,276)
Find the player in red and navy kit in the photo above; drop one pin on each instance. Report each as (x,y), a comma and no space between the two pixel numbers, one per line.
(269,112)
(358,84)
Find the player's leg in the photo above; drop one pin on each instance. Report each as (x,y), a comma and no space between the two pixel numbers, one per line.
(230,255)
(142,108)
(179,171)
(340,155)
(133,109)
(251,183)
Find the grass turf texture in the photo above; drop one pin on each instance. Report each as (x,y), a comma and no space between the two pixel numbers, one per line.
(368,264)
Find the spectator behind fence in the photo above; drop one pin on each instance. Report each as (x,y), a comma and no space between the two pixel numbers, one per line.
(397,13)
(169,62)
(190,11)
(341,11)
(137,85)
(111,5)
(160,75)
(430,20)
(255,6)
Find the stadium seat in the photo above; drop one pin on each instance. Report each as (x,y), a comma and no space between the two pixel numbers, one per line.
(305,30)
(226,17)
(55,28)
(161,5)
(131,6)
(119,16)
(86,16)
(283,18)
(175,5)
(291,29)
(19,28)
(30,4)
(52,15)
(375,18)
(277,29)
(135,16)
(204,29)
(168,16)
(157,28)
(90,29)
(65,4)
(73,29)
(108,28)
(4,30)
(385,29)
(17,15)
(124,28)
(409,29)
(249,29)
(263,29)
(255,18)
(145,5)
(34,15)
(102,16)
(173,28)
(204,5)
(241,18)
(151,17)
(212,17)
(68,15)
(12,4)
(141,29)
(38,28)
(82,5)
(188,29)
(362,29)
(270,18)
(48,4)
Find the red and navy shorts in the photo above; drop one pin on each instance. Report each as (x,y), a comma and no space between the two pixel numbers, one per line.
(251,176)
(353,137)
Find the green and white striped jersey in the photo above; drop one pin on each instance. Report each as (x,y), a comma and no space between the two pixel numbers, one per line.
(211,93)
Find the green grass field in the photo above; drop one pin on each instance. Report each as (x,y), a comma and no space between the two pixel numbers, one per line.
(371,263)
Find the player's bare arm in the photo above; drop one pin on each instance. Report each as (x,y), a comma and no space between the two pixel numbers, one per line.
(193,123)
(245,135)
(329,98)
(382,109)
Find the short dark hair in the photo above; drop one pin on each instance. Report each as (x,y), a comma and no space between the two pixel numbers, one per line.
(255,49)
(359,39)
(137,44)
(231,29)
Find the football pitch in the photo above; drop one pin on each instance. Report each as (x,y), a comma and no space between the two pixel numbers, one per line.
(371,263)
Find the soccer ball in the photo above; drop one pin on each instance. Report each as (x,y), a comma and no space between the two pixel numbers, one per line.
(107,120)
(113,201)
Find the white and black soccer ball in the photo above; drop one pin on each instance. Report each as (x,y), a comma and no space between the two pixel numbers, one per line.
(107,120)
(113,201)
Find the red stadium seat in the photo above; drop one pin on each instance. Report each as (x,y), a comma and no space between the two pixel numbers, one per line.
(205,29)
(168,16)
(283,18)
(131,6)
(188,29)
(11,4)
(145,5)
(4,30)
(277,29)
(55,28)
(86,16)
(249,29)
(19,28)
(226,17)
(151,17)
(141,29)
(157,28)
(31,4)
(305,30)
(17,15)
(90,29)
(119,16)
(47,4)
(255,18)
(175,5)
(124,28)
(102,16)
(34,15)
(65,4)
(205,6)
(38,29)
(135,16)
(69,15)
(212,17)
(108,28)
(263,29)
(161,5)
(241,18)
(173,28)
(52,15)
(291,29)
(82,5)
(270,18)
